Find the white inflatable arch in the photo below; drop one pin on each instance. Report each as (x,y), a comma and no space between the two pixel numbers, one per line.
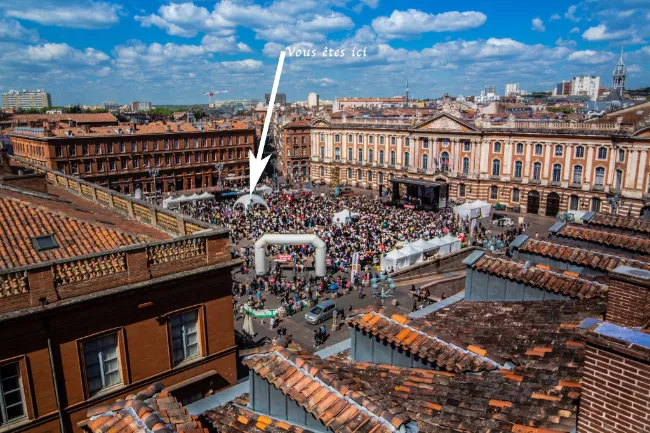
(262,263)
(251,199)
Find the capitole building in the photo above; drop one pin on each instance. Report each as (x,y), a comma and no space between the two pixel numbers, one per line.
(540,167)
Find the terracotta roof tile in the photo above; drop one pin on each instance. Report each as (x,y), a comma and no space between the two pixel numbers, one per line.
(631,244)
(632,224)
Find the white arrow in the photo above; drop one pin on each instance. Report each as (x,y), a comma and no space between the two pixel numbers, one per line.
(257,164)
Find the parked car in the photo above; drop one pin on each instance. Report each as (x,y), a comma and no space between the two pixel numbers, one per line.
(320,312)
(498,216)
(504,222)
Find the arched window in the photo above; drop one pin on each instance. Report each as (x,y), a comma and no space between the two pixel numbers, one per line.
(515,195)
(595,204)
(466,165)
(406,159)
(621,155)
(360,154)
(337,153)
(349,154)
(322,152)
(539,149)
(337,138)
(559,150)
(556,175)
(349,138)
(461,190)
(537,171)
(371,139)
(497,147)
(599,178)
(425,143)
(618,181)
(577,175)
(496,167)
(444,161)
(494,192)
(425,161)
(381,156)
(580,152)
(381,139)
(407,142)
(371,155)
(602,153)
(467,146)
(519,148)
(518,169)
(360,139)
(392,157)
(574,202)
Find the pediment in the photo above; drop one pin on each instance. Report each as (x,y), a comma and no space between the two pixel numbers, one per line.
(445,122)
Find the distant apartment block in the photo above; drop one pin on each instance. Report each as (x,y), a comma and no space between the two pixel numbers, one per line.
(26,99)
(586,86)
(280,98)
(140,106)
(565,88)
(110,105)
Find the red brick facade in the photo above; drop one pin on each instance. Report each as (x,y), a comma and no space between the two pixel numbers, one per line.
(628,302)
(295,149)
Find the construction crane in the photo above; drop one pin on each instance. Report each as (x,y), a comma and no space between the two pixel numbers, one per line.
(216,92)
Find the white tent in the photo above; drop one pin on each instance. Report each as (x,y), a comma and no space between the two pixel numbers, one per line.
(486,208)
(423,245)
(175,202)
(263,189)
(250,199)
(206,196)
(466,210)
(442,246)
(454,243)
(393,259)
(343,217)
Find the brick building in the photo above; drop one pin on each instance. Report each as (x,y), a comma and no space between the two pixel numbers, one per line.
(540,167)
(101,296)
(120,156)
(295,149)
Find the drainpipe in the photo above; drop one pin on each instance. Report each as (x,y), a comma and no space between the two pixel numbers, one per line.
(57,395)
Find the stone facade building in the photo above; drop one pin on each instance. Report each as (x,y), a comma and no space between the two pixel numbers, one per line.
(539,167)
(295,148)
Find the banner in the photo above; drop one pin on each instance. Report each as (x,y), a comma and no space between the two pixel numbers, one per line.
(355,266)
(283,258)
(409,206)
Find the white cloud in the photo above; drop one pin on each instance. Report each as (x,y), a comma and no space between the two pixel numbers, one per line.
(94,16)
(370,3)
(555,17)
(327,23)
(590,57)
(575,30)
(64,53)
(633,68)
(217,44)
(12,30)
(247,65)
(570,14)
(601,33)
(412,22)
(186,20)
(320,82)
(103,72)
(538,25)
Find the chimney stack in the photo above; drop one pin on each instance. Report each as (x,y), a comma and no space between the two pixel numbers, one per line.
(628,297)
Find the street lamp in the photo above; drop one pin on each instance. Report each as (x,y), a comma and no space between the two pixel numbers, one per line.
(219,168)
(154,173)
(383,289)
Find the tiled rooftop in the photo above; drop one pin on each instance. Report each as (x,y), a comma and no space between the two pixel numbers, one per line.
(637,225)
(22,220)
(439,349)
(77,117)
(578,256)
(231,418)
(148,411)
(633,244)
(543,279)
(540,392)
(314,384)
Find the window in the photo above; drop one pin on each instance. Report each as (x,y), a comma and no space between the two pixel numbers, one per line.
(359,174)
(425,161)
(371,155)
(369,176)
(101,362)
(145,146)
(134,146)
(496,167)
(461,190)
(381,140)
(322,171)
(98,149)
(621,155)
(559,150)
(445,142)
(125,164)
(595,204)
(155,145)
(156,159)
(497,147)
(407,142)
(381,156)
(359,154)
(602,153)
(176,143)
(574,202)
(45,242)
(518,167)
(539,149)
(392,141)
(349,154)
(84,149)
(136,162)
(59,152)
(145,160)
(466,146)
(100,166)
(380,179)
(349,138)
(392,157)
(185,336)
(580,152)
(166,144)
(444,161)
(322,152)
(75,168)
(599,178)
(86,167)
(618,181)
(349,173)
(515,195)
(322,137)
(186,143)
(109,146)
(337,154)
(537,171)
(556,175)
(494,192)
(177,158)
(11,394)
(122,147)
(425,143)
(360,139)
(577,175)
(167,159)
(465,165)
(72,150)
(337,138)
(406,159)
(371,139)
(519,148)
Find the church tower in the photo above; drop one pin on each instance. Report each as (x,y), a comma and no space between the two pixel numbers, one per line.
(618,77)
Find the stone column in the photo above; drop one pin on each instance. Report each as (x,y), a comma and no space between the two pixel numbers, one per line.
(641,182)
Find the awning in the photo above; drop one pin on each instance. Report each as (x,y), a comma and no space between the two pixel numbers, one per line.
(246,176)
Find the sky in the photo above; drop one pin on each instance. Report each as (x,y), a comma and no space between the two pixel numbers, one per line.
(86,52)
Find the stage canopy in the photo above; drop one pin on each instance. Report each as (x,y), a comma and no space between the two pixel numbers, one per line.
(474,209)
(344,217)
(413,252)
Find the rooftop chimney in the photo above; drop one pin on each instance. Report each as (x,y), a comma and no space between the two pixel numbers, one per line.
(168,128)
(628,297)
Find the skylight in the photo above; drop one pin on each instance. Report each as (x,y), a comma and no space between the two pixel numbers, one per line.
(45,242)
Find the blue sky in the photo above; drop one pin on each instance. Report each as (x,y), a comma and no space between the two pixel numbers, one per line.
(171,52)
